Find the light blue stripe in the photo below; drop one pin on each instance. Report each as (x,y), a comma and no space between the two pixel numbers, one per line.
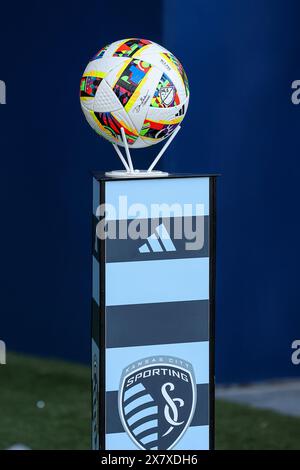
(138,402)
(145,426)
(96,277)
(144,248)
(165,238)
(178,191)
(133,391)
(143,282)
(151,410)
(119,358)
(119,441)
(96,195)
(95,356)
(149,438)
(195,438)
(154,243)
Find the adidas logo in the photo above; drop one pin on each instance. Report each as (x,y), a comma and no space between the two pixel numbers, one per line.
(181,111)
(159,241)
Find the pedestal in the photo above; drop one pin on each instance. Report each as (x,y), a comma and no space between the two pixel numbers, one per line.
(153,313)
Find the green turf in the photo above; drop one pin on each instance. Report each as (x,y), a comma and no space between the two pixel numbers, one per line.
(64,422)
(240,427)
(65,388)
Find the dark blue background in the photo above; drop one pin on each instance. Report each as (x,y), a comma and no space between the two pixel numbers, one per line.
(241,58)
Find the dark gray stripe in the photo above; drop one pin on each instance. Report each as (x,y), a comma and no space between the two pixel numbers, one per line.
(201,416)
(95,322)
(122,250)
(95,239)
(159,323)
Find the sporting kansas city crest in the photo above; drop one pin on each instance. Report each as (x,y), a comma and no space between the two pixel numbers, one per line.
(157,399)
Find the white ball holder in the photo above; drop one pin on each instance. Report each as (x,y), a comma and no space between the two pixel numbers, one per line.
(129,171)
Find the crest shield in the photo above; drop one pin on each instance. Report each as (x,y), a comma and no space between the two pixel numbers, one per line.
(167,94)
(157,399)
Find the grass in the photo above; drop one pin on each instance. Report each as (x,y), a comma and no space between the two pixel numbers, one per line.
(64,422)
(65,388)
(240,427)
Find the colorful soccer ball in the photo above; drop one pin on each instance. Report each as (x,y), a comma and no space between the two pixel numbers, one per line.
(138,85)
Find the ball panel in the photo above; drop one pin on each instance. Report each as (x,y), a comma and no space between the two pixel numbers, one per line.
(155,131)
(168,68)
(105,99)
(138,74)
(114,73)
(165,95)
(89,86)
(111,123)
(168,114)
(129,81)
(90,117)
(139,54)
(125,121)
(157,48)
(108,125)
(138,106)
(109,53)
(88,89)
(130,47)
(101,67)
(173,61)
(100,53)
(139,143)
(151,48)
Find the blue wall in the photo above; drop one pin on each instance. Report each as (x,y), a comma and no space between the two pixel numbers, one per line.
(241,58)
(47,153)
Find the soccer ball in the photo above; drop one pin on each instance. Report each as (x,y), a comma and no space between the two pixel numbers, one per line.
(138,85)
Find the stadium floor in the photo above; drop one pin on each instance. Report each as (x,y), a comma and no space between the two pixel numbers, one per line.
(46,405)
